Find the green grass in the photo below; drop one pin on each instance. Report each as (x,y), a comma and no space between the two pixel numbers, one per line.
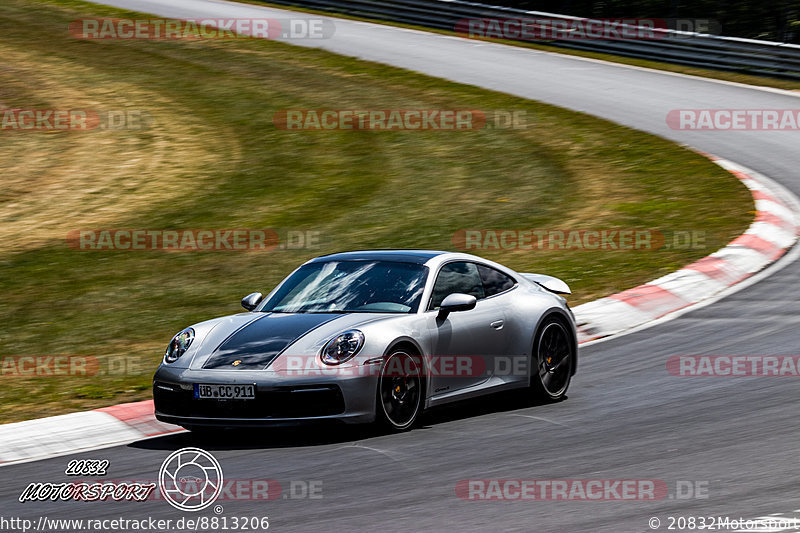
(213,159)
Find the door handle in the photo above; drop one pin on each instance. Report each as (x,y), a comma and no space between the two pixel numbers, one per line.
(497,324)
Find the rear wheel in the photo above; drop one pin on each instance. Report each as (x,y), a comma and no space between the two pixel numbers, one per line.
(400,395)
(553,357)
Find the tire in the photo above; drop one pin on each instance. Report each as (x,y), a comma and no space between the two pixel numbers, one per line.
(553,356)
(400,396)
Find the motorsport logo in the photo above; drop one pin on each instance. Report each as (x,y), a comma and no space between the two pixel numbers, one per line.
(190,479)
(196,465)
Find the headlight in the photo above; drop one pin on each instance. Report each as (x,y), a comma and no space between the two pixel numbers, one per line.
(178,345)
(342,347)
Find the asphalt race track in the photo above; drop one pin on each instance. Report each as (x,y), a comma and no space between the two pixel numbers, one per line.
(626,416)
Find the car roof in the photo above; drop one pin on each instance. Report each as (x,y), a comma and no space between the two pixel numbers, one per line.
(431,258)
(404,256)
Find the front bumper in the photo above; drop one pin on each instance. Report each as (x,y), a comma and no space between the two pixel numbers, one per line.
(278,400)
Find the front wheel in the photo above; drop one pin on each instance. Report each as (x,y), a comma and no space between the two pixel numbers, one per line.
(399,401)
(553,357)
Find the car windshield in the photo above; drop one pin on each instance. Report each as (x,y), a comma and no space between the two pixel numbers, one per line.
(351,287)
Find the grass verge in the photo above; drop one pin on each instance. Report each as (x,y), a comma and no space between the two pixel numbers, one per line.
(212,158)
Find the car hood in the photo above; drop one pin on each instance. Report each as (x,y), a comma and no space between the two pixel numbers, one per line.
(245,342)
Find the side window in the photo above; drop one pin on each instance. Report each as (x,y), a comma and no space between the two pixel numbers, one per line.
(494,281)
(456,277)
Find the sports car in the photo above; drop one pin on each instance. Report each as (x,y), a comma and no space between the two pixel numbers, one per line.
(371,336)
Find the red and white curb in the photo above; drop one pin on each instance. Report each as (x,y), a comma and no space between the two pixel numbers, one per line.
(773,232)
(77,432)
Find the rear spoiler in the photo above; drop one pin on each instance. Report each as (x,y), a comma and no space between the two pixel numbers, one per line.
(549,282)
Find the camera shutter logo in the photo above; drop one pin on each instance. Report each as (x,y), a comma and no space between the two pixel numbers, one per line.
(190,479)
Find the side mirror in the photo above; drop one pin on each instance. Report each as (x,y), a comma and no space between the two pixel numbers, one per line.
(456,302)
(250,301)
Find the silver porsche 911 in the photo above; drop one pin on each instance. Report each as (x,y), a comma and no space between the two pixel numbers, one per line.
(371,336)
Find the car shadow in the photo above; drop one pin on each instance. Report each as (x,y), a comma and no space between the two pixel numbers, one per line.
(322,434)
(316,434)
(501,402)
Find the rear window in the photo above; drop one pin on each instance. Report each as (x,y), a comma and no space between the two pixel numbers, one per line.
(494,281)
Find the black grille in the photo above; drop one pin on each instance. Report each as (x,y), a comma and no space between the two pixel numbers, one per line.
(285,402)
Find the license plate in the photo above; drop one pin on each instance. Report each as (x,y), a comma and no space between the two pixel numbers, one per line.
(224,392)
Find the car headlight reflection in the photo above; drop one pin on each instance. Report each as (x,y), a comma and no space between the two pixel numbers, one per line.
(342,347)
(178,345)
